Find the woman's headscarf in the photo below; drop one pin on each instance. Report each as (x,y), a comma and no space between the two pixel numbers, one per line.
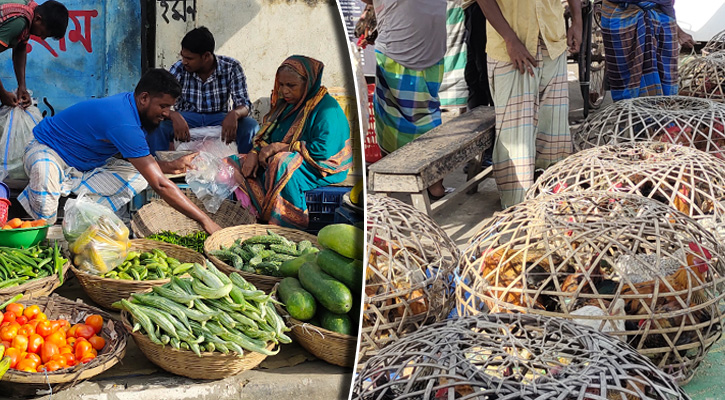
(311,70)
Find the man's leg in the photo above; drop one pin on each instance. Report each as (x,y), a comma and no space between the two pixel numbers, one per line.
(553,140)
(160,138)
(247,129)
(45,168)
(479,92)
(113,185)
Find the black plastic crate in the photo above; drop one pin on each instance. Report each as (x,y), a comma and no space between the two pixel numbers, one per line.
(322,204)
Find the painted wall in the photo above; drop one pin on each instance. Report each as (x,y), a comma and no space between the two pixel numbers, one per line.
(99,56)
(260,34)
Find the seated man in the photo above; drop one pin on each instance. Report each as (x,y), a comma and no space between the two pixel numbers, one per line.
(74,150)
(207,81)
(18,20)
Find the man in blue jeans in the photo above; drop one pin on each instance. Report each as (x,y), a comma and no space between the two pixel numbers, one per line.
(208,82)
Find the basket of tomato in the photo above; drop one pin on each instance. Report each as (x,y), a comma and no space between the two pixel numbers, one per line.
(55,341)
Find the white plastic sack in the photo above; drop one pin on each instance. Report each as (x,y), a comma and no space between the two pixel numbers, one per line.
(206,138)
(211,179)
(17,131)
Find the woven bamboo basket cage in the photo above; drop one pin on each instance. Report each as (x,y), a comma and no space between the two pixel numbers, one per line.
(331,347)
(158,216)
(687,121)
(18,383)
(511,356)
(211,365)
(687,179)
(715,44)
(36,287)
(627,265)
(106,291)
(227,236)
(409,273)
(704,77)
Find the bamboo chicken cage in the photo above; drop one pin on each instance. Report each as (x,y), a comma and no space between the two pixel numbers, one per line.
(687,121)
(511,356)
(687,179)
(624,264)
(409,273)
(704,77)
(717,43)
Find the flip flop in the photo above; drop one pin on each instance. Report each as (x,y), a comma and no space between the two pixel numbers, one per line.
(446,191)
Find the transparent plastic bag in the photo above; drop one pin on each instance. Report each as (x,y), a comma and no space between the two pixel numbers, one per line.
(211,180)
(17,131)
(207,138)
(97,239)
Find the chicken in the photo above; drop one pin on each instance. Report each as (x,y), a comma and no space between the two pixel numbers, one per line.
(683,322)
(616,310)
(577,283)
(682,200)
(643,267)
(687,276)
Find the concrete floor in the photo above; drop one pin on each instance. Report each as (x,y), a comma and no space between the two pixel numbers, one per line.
(464,218)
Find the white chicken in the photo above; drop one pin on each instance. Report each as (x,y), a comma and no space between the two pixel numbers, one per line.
(643,267)
(596,311)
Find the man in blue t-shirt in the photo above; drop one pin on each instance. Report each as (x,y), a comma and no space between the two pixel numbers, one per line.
(73,152)
(209,84)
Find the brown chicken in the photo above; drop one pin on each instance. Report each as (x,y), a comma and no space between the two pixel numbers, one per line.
(688,276)
(683,323)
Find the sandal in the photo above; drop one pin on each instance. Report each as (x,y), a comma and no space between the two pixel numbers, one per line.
(446,191)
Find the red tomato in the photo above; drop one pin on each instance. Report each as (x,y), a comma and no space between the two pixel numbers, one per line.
(9,316)
(47,351)
(20,342)
(22,320)
(72,330)
(8,332)
(34,343)
(26,330)
(14,355)
(54,325)
(31,312)
(82,347)
(64,324)
(33,357)
(87,357)
(70,359)
(43,328)
(85,331)
(60,360)
(27,365)
(96,322)
(57,337)
(16,308)
(97,342)
(51,366)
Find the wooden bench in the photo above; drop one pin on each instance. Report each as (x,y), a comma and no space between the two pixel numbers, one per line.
(429,158)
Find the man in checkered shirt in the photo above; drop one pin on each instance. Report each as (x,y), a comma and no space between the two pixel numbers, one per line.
(209,84)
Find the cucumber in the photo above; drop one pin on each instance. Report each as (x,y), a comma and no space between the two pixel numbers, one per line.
(331,293)
(339,323)
(346,270)
(346,240)
(290,268)
(300,303)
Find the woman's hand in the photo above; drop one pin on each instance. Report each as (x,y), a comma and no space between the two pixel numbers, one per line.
(269,151)
(250,166)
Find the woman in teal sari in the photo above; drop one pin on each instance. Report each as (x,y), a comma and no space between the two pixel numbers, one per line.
(303,144)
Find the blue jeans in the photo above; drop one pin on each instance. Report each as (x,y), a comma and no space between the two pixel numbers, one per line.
(247,127)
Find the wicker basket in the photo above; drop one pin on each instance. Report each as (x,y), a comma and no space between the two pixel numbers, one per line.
(211,365)
(409,274)
(687,179)
(158,216)
(507,356)
(608,256)
(18,383)
(227,236)
(36,287)
(682,120)
(332,347)
(106,291)
(704,77)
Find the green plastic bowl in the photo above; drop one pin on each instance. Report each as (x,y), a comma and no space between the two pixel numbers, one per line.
(23,237)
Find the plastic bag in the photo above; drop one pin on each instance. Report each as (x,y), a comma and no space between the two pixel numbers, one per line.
(211,180)
(97,239)
(207,138)
(17,131)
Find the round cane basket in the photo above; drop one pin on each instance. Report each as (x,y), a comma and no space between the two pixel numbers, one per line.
(226,237)
(211,365)
(332,347)
(158,216)
(106,291)
(36,287)
(717,43)
(511,356)
(704,77)
(409,273)
(624,264)
(680,120)
(687,179)
(18,383)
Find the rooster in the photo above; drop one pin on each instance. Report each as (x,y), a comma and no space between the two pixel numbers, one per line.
(692,274)
(683,322)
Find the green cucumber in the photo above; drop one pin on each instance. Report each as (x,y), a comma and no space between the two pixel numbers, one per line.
(290,268)
(346,270)
(346,240)
(331,293)
(339,323)
(300,303)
